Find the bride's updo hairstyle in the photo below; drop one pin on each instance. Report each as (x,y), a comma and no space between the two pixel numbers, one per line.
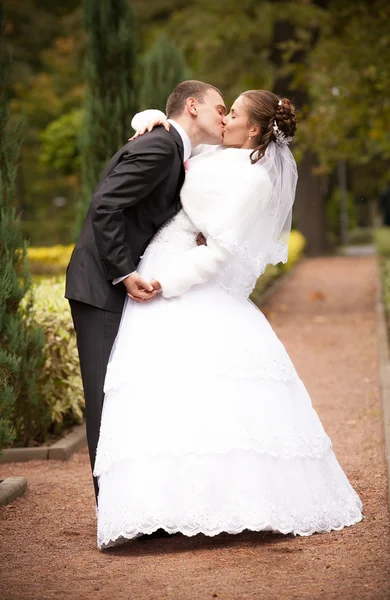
(265,109)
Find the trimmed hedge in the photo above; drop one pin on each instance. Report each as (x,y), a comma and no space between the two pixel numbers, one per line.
(50,260)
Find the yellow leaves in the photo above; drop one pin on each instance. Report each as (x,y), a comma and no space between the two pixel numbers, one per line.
(296,245)
(49,260)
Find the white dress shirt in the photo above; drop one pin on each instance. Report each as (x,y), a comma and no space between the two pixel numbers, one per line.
(187,152)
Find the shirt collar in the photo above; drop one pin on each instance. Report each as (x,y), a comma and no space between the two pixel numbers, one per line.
(185,139)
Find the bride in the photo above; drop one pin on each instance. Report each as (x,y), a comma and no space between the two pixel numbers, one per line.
(206,425)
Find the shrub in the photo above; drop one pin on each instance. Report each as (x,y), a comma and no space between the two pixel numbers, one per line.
(382,240)
(296,246)
(50,260)
(61,387)
(360,236)
(21,342)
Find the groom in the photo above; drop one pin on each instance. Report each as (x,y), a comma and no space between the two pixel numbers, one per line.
(138,192)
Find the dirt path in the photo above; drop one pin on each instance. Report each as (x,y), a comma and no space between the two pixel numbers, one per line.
(325,316)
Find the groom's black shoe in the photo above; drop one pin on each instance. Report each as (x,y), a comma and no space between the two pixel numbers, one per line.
(159,533)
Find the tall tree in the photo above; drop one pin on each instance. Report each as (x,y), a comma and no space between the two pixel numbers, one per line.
(21,350)
(47,85)
(110,100)
(289,54)
(336,57)
(162,69)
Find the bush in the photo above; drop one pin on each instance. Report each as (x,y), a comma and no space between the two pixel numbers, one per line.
(382,240)
(360,236)
(296,246)
(49,260)
(60,390)
(21,342)
(61,387)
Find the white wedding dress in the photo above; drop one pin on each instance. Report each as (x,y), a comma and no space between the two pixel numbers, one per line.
(206,425)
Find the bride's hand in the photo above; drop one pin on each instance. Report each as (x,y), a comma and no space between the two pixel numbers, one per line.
(156,285)
(151,125)
(201,240)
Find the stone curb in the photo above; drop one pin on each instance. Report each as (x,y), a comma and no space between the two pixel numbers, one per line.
(12,488)
(384,372)
(61,450)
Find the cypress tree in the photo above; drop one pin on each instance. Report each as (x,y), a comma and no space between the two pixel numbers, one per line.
(110,100)
(163,68)
(21,344)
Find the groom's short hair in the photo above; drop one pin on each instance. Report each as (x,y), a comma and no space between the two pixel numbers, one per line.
(183,91)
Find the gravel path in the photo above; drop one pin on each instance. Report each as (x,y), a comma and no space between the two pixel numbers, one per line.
(325,316)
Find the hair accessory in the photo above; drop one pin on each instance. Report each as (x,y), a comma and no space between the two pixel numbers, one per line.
(280,103)
(281,138)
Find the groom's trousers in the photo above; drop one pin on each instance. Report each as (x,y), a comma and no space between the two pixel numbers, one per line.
(96,330)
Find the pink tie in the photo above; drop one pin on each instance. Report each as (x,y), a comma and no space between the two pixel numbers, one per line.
(186,165)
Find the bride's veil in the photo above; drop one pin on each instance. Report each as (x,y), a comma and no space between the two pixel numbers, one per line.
(267,225)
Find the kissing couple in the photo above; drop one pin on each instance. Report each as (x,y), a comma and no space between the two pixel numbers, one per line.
(197,421)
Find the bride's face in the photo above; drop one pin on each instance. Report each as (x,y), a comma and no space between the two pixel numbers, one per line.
(238,128)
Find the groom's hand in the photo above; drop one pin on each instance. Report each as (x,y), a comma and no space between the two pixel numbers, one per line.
(138,289)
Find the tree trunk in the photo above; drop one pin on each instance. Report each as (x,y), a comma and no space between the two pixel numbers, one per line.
(309,206)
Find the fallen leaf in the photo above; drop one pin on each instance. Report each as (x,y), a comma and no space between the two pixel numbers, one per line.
(316,295)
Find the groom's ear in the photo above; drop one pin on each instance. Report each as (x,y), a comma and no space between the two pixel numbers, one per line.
(191,104)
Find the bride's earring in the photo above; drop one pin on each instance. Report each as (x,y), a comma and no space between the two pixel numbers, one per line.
(250,137)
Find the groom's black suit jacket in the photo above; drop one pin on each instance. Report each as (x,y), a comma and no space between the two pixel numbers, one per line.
(138,192)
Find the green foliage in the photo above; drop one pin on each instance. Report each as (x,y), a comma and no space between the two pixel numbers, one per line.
(110,101)
(21,352)
(385,277)
(334,64)
(60,142)
(382,240)
(60,385)
(163,67)
(226,45)
(346,73)
(360,235)
(48,45)
(9,367)
(333,214)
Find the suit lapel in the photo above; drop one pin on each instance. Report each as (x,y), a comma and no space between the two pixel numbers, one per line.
(179,142)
